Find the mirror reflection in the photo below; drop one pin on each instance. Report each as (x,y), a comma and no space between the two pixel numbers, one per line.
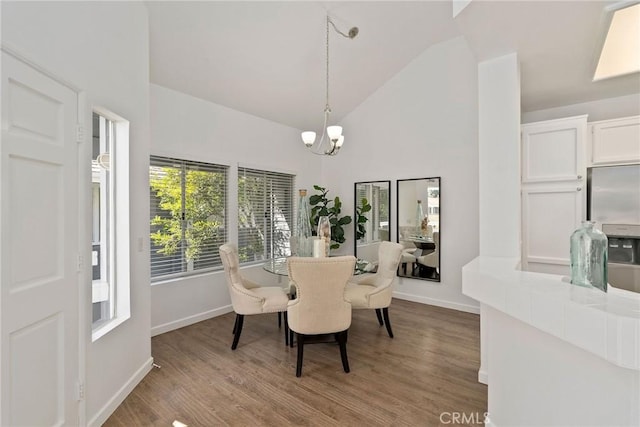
(419,228)
(371,221)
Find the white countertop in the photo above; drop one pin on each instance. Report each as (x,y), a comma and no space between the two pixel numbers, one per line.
(605,324)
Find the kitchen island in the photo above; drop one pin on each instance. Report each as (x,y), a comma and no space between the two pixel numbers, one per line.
(554,353)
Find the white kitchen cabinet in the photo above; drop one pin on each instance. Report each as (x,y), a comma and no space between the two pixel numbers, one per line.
(550,213)
(615,142)
(553,150)
(553,191)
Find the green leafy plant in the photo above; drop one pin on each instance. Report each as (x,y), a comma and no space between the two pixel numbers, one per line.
(321,205)
(191,225)
(361,218)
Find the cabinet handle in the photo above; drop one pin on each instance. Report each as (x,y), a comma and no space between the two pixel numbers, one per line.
(579,189)
(579,176)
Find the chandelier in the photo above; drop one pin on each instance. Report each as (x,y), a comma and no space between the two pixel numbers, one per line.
(332,133)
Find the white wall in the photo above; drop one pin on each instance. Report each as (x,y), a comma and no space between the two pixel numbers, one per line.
(602,109)
(499,175)
(194,129)
(421,123)
(102,48)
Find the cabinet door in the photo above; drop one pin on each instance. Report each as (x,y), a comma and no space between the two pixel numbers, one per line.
(549,215)
(615,141)
(554,150)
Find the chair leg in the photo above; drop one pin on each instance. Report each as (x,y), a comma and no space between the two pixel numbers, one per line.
(290,338)
(279,319)
(300,354)
(235,325)
(237,331)
(379,315)
(286,328)
(385,313)
(342,341)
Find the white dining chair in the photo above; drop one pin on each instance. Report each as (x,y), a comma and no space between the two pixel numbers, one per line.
(375,291)
(320,306)
(247,297)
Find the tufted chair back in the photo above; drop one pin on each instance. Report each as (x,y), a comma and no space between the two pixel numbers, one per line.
(320,306)
(244,301)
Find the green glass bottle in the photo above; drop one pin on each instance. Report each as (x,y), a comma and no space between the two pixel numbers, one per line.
(589,257)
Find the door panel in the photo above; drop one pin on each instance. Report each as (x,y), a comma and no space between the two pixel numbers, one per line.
(553,150)
(39,235)
(546,233)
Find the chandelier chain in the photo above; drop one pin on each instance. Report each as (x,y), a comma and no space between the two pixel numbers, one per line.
(327,107)
(335,138)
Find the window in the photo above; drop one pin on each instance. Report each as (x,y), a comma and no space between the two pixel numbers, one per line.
(110,222)
(265,214)
(188,216)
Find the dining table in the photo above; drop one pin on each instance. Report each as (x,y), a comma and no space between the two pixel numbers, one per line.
(278,266)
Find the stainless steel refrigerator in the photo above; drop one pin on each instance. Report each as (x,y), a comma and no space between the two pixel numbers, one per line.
(613,200)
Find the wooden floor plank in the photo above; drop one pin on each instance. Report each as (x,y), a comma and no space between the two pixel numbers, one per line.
(429,368)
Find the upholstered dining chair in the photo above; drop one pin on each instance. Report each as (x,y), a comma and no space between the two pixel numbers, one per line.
(408,256)
(432,259)
(320,306)
(375,291)
(248,297)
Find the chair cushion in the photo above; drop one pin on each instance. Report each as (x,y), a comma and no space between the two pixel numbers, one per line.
(275,298)
(357,294)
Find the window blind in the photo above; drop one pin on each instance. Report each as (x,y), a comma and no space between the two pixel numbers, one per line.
(188,216)
(265,214)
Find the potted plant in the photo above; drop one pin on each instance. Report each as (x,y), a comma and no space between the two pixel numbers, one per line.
(321,205)
(361,218)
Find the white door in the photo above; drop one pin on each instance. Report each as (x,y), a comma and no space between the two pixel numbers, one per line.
(39,247)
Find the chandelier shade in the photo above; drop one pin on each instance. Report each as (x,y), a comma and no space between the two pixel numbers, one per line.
(331,134)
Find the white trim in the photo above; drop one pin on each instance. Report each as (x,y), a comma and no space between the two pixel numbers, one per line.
(483,376)
(101,329)
(490,423)
(437,302)
(11,50)
(190,320)
(112,404)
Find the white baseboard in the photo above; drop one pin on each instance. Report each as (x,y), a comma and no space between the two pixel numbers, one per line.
(483,377)
(437,302)
(115,401)
(189,320)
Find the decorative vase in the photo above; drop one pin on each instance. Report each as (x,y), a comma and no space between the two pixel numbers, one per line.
(302,241)
(589,257)
(324,232)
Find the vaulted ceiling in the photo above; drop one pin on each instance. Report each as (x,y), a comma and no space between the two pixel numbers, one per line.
(268,58)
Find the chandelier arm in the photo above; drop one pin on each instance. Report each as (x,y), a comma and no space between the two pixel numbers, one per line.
(322,138)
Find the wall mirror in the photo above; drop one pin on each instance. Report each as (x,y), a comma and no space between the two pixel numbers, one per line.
(419,228)
(371,225)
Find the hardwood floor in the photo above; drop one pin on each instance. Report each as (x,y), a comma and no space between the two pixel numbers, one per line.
(429,368)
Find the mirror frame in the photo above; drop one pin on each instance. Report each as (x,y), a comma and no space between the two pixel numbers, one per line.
(355,205)
(438,270)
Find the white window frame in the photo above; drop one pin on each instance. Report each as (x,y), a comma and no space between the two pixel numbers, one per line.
(192,165)
(119,230)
